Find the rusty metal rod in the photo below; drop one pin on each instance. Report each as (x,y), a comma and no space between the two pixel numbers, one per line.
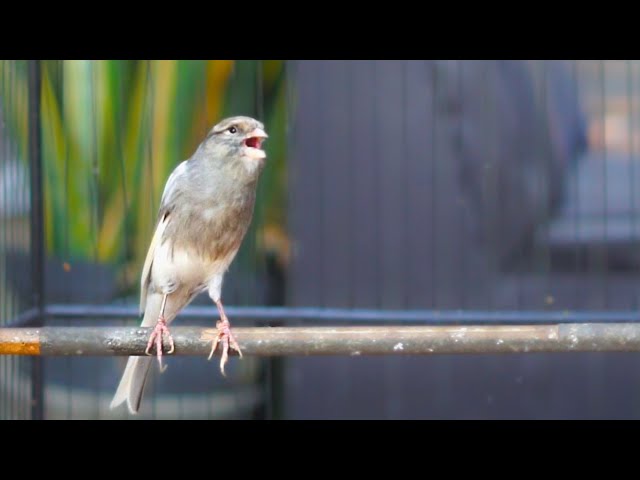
(356,340)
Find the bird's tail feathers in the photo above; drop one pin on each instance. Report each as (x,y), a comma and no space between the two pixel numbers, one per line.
(134,378)
(132,384)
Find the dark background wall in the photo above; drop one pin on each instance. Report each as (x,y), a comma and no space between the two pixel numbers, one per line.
(457,185)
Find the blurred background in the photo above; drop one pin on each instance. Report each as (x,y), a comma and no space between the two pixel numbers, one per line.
(476,186)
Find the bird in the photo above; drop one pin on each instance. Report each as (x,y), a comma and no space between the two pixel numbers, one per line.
(205,211)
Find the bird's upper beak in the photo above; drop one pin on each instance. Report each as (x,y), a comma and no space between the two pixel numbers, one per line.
(258,132)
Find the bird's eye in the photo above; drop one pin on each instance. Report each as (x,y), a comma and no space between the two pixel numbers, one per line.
(233,130)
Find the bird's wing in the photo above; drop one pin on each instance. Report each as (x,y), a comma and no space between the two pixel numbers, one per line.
(170,186)
(148,261)
(163,219)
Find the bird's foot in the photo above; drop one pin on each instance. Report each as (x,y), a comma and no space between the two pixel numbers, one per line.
(156,337)
(226,339)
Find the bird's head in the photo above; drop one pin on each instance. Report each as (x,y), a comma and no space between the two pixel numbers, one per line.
(238,137)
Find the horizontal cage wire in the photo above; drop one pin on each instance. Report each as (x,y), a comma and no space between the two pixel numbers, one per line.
(414,222)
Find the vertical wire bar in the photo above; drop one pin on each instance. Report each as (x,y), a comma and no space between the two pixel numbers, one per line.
(24,363)
(395,380)
(538,178)
(67,170)
(37,229)
(434,199)
(149,132)
(545,135)
(381,198)
(271,365)
(8,309)
(434,162)
(496,191)
(128,254)
(4,372)
(70,362)
(123,170)
(520,277)
(547,178)
(605,200)
(351,172)
(15,153)
(95,168)
(576,200)
(95,180)
(377,188)
(481,211)
(9,100)
(289,148)
(406,162)
(17,245)
(595,381)
(229,98)
(258,261)
(320,99)
(15,362)
(205,128)
(632,164)
(4,142)
(3,156)
(458,154)
(291,165)
(93,171)
(632,175)
(5,64)
(352,69)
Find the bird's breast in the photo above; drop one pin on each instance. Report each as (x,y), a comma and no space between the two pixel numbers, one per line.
(208,234)
(175,267)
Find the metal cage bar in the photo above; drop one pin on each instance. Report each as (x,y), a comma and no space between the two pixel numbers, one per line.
(348,315)
(353,341)
(37,228)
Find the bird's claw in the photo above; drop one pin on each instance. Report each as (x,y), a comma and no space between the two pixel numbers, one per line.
(156,337)
(226,338)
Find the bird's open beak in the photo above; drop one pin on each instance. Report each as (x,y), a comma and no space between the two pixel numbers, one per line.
(254,143)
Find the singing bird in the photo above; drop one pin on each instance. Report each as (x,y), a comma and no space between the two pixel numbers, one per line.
(205,211)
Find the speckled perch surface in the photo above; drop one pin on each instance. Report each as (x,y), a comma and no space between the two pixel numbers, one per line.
(357,340)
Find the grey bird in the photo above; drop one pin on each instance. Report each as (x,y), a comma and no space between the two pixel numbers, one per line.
(205,211)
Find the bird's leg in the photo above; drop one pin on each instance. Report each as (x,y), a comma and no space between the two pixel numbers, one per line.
(224,337)
(159,331)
